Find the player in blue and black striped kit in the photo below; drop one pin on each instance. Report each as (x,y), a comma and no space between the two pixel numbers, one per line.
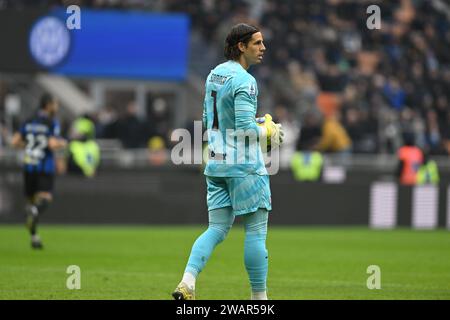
(40,137)
(236,177)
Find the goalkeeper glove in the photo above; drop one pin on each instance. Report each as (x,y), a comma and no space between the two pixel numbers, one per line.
(272,133)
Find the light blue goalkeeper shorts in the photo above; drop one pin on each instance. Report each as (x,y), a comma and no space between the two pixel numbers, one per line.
(244,194)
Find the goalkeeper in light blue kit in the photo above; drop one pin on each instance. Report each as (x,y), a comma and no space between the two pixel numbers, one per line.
(237,180)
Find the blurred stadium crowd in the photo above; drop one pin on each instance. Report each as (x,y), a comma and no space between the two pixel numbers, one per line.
(334,84)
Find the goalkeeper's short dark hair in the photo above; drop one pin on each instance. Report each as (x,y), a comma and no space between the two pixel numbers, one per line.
(239,33)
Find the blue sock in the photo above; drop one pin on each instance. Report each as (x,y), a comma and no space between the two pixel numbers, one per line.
(220,222)
(255,253)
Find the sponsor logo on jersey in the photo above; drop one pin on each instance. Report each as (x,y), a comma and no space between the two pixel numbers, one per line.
(218,79)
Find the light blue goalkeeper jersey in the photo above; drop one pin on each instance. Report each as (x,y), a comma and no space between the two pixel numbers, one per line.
(229,112)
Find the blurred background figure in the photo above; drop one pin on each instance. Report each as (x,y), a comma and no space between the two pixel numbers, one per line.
(40,137)
(306,163)
(334,137)
(157,152)
(428,172)
(311,131)
(410,158)
(159,120)
(84,152)
(130,128)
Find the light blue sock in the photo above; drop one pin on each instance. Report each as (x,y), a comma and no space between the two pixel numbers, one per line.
(220,222)
(255,253)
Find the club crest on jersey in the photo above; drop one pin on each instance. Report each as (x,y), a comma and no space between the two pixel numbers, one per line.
(252,90)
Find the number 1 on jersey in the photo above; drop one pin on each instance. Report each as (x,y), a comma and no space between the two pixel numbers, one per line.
(215,117)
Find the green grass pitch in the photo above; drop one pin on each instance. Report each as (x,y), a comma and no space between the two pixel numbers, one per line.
(146,262)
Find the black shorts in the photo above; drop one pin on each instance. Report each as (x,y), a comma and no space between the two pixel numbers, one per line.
(37,182)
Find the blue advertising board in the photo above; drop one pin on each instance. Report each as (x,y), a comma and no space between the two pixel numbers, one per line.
(113,44)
